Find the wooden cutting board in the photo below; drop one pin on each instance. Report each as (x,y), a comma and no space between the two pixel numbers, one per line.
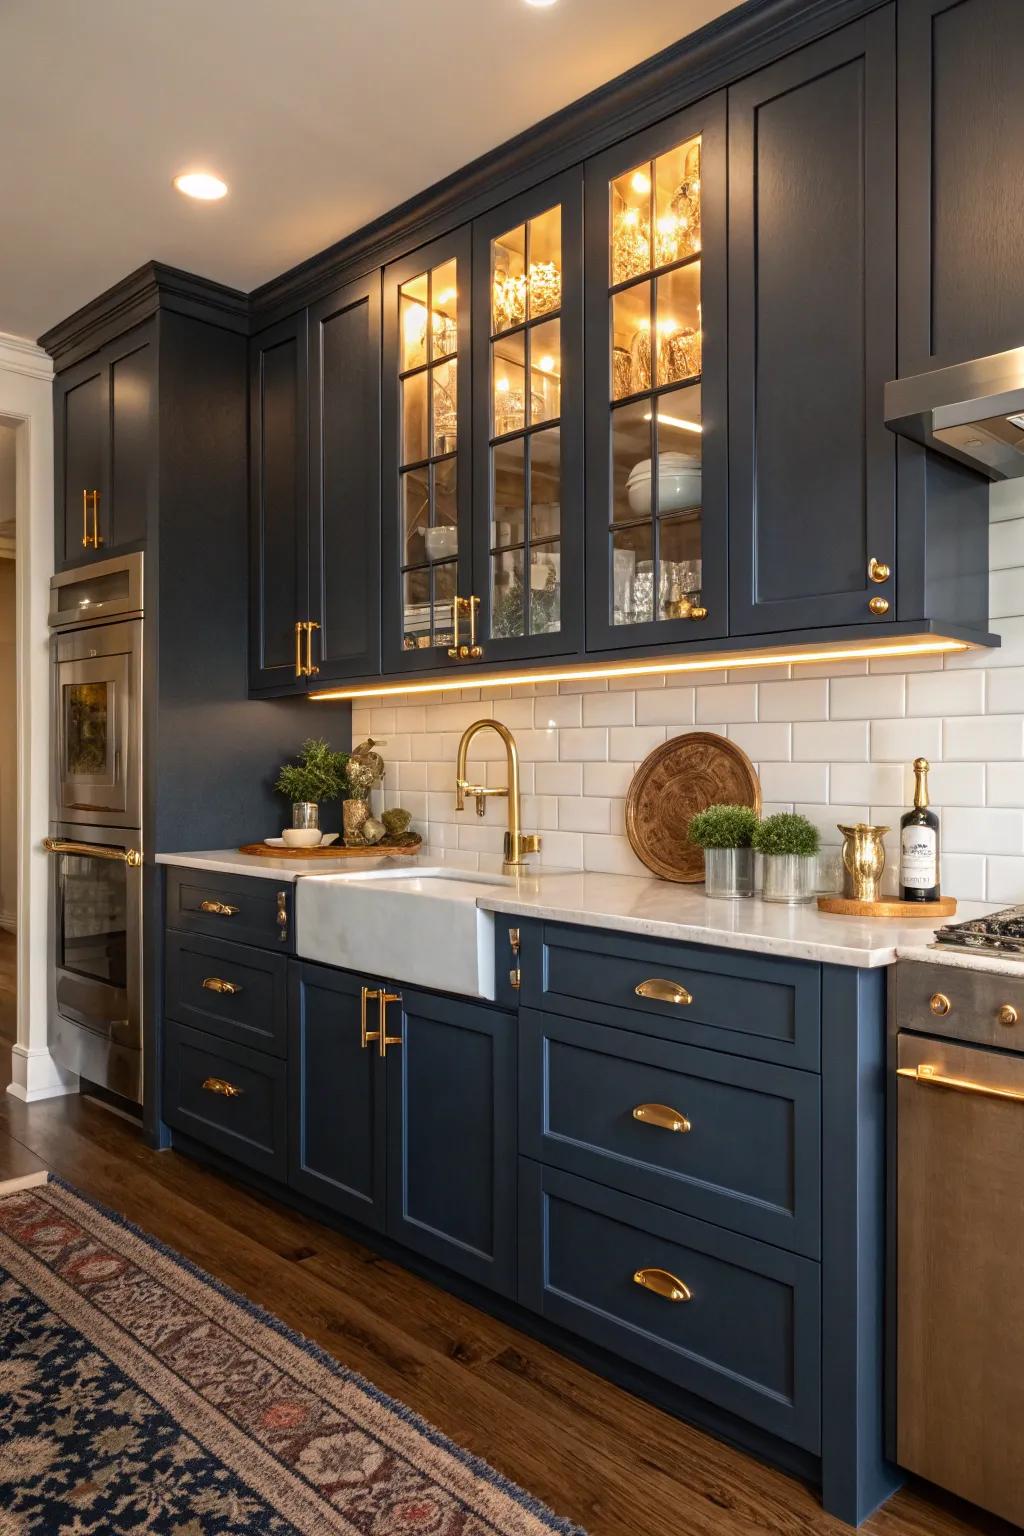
(674,782)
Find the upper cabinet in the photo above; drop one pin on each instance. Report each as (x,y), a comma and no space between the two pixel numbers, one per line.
(656,385)
(961,63)
(427,606)
(528,422)
(314,494)
(104,442)
(812,323)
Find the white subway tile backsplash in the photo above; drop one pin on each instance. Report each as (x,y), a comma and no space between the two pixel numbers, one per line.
(763,743)
(559,778)
(732,701)
(1005,880)
(558,710)
(563,849)
(832,741)
(1006,545)
(580,813)
(871,783)
(1004,784)
(985,739)
(803,698)
(984,830)
(673,707)
(950,784)
(586,744)
(607,778)
(612,708)
(946,693)
(900,741)
(866,698)
(631,743)
(1005,595)
(1005,689)
(610,856)
(794,781)
(963,875)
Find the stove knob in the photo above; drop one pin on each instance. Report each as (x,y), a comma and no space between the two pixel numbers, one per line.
(939,1004)
(1007,1015)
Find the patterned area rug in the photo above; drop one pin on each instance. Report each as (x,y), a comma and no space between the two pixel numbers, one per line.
(138,1395)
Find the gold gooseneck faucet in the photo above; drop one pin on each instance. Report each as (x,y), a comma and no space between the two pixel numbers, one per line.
(517,842)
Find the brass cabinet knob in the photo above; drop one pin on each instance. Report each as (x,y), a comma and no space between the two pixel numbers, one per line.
(698,613)
(878,570)
(879,605)
(1008,1015)
(940,1004)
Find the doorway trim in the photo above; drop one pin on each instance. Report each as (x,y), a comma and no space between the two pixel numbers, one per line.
(26,400)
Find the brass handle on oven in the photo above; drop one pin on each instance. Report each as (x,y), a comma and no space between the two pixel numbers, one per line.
(218,908)
(382,1037)
(366,995)
(226,988)
(309,626)
(130,856)
(663,1116)
(663,1283)
(223,1087)
(932,1079)
(661,991)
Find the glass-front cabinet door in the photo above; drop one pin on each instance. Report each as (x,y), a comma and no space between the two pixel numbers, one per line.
(426,494)
(528,422)
(656,385)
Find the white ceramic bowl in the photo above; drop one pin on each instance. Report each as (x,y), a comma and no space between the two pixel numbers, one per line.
(442,543)
(679,485)
(301,837)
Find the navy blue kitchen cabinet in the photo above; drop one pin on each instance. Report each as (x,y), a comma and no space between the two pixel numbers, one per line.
(337,1102)
(451,1135)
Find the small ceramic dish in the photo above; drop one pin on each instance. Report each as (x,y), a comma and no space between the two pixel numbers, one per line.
(324,840)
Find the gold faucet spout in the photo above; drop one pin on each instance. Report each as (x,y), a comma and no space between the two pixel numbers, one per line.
(517,843)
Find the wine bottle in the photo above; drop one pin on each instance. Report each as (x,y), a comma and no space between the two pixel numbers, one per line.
(919,843)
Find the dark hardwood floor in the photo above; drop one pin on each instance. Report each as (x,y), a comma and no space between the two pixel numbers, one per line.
(591,1451)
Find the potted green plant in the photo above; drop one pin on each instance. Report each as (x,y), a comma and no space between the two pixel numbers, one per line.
(789,848)
(319,774)
(725,833)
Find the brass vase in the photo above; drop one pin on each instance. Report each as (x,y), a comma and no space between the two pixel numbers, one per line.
(353,816)
(863,860)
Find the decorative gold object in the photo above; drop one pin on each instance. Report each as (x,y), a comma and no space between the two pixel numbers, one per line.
(878,606)
(674,782)
(680,354)
(223,1087)
(939,1004)
(378,1036)
(517,842)
(1008,1015)
(932,1079)
(510,410)
(465,607)
(130,856)
(640,360)
(663,1283)
(631,245)
(681,236)
(444,331)
(661,991)
(622,373)
(545,288)
(218,908)
(878,570)
(216,984)
(542,289)
(354,814)
(91,499)
(663,1116)
(863,859)
(849,906)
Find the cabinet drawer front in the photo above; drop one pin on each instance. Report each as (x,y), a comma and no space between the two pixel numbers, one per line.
(227,1097)
(746,1154)
(978,1006)
(230,990)
(747,1339)
(243,908)
(740,1003)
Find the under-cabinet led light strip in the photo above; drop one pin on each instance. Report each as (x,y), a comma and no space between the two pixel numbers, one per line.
(598,669)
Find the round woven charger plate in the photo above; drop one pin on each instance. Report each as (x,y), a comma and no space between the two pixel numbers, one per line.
(674,782)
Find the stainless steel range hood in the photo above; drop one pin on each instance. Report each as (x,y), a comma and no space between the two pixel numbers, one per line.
(973,412)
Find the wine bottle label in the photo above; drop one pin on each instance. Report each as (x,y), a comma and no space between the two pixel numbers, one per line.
(919,858)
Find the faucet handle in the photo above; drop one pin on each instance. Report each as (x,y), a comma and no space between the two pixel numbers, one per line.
(529,842)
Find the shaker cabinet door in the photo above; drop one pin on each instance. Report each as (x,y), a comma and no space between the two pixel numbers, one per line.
(337,1107)
(344,482)
(528,422)
(426,494)
(812,249)
(961,192)
(451,1135)
(278,590)
(82,413)
(656,385)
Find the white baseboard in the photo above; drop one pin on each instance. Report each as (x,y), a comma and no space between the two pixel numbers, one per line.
(35,1075)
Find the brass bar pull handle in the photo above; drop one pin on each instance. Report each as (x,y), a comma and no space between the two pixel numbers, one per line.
(130,856)
(282,916)
(223,1087)
(85,519)
(475,650)
(663,1283)
(96,540)
(218,908)
(932,1079)
(225,988)
(298,648)
(455,649)
(311,670)
(661,991)
(366,995)
(382,1037)
(663,1116)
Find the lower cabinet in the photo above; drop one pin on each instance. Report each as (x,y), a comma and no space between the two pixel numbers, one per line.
(227,1097)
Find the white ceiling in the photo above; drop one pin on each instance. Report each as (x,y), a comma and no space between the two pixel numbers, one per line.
(320,114)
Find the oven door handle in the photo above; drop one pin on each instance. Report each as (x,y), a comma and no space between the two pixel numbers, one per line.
(130,856)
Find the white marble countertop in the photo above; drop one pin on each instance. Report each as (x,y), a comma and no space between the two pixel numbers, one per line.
(656,908)
(964,960)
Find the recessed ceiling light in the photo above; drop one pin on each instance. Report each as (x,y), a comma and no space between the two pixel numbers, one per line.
(202,185)
(540,3)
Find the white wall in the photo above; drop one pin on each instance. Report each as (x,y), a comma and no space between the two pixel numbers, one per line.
(26,378)
(8,742)
(833,742)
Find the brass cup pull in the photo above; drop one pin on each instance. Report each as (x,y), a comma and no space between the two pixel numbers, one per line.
(661,991)
(940,1004)
(663,1283)
(226,988)
(366,1035)
(223,1087)
(878,570)
(932,1079)
(1008,1015)
(218,908)
(879,605)
(381,1035)
(663,1116)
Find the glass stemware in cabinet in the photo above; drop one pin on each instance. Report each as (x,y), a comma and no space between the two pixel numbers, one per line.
(655,363)
(525,451)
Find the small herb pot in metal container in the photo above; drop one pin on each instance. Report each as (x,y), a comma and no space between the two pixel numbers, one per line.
(728,872)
